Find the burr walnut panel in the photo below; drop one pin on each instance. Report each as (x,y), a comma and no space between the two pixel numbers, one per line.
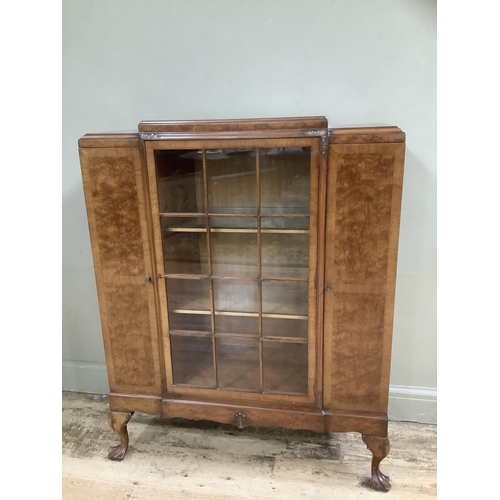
(113,190)
(115,199)
(363,203)
(362,220)
(131,348)
(358,320)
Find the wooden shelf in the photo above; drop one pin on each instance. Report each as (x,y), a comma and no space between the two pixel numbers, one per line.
(229,272)
(277,305)
(240,313)
(190,333)
(235,230)
(235,215)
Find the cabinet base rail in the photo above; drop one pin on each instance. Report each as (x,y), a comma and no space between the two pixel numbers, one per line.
(372,427)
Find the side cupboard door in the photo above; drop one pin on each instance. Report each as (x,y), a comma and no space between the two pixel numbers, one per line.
(362,229)
(115,198)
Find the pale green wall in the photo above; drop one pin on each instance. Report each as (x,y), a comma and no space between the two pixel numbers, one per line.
(359,62)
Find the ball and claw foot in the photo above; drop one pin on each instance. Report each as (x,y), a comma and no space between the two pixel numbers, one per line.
(380,447)
(118,422)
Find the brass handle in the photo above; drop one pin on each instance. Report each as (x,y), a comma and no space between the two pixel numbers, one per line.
(148,280)
(328,288)
(240,420)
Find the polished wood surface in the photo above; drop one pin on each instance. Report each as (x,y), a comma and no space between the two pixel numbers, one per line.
(114,195)
(255,416)
(366,135)
(363,422)
(234,125)
(109,141)
(380,447)
(363,207)
(118,422)
(240,285)
(135,402)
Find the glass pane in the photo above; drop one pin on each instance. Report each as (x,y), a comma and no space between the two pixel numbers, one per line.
(231,177)
(284,299)
(285,180)
(277,327)
(234,254)
(184,245)
(238,365)
(242,325)
(285,367)
(248,224)
(288,223)
(189,305)
(192,360)
(184,224)
(180,181)
(236,297)
(285,247)
(190,322)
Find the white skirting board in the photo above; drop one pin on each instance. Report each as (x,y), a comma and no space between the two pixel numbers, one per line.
(413,404)
(406,403)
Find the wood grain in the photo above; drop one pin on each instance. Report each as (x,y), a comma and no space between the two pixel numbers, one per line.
(109,141)
(118,422)
(133,402)
(380,447)
(366,135)
(113,186)
(255,416)
(365,423)
(334,379)
(363,211)
(234,125)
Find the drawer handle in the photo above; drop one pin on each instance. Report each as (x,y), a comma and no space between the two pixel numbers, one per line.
(240,420)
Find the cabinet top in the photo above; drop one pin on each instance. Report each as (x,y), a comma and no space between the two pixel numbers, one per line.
(304,122)
(248,127)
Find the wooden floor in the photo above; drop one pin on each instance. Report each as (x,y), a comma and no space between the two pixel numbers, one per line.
(177,459)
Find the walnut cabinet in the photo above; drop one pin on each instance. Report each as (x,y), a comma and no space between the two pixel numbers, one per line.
(246,272)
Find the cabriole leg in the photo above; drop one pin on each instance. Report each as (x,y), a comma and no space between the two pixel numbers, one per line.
(118,422)
(380,447)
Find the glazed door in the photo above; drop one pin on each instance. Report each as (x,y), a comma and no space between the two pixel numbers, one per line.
(235,225)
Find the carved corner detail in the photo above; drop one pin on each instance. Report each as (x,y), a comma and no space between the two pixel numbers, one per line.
(148,136)
(323,134)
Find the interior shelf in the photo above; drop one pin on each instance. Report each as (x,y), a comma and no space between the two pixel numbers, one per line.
(193,333)
(228,272)
(234,230)
(240,313)
(297,214)
(280,300)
